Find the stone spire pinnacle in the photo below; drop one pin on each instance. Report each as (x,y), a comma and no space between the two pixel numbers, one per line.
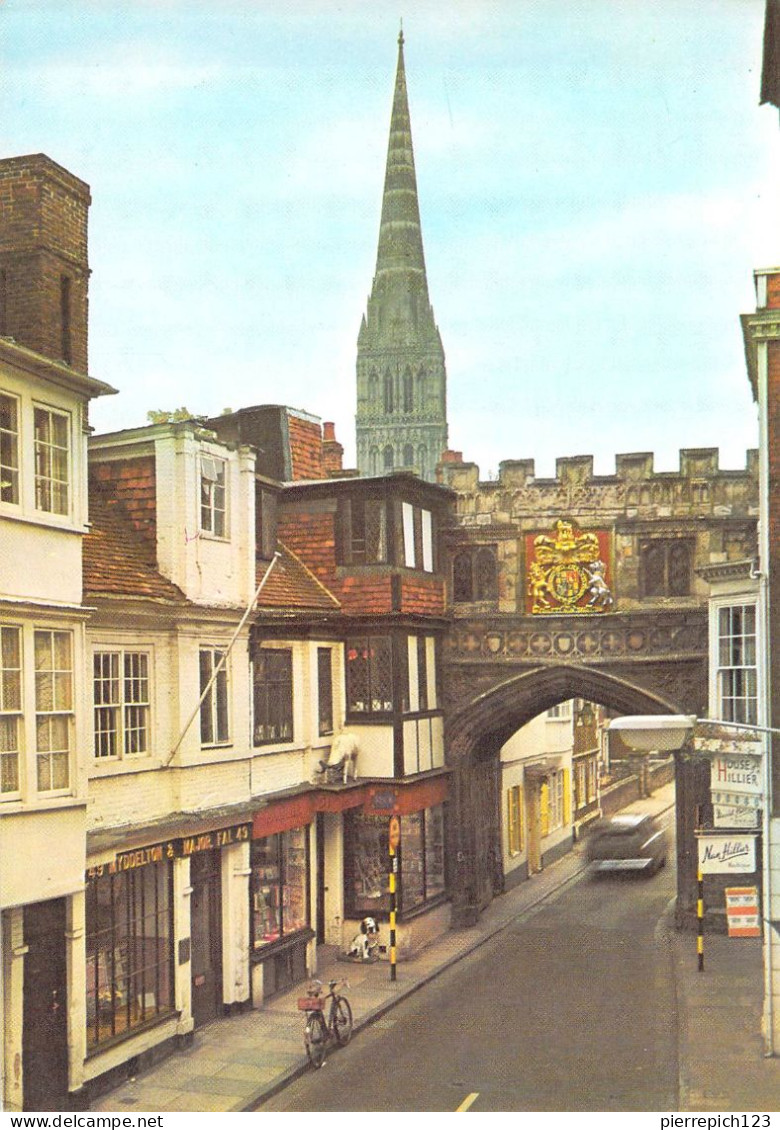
(401,418)
(400,235)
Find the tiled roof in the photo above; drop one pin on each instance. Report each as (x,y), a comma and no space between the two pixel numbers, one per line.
(118,560)
(291,586)
(305,440)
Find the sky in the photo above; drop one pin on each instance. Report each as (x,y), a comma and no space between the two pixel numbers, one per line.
(597,183)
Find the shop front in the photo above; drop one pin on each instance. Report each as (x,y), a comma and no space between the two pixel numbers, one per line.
(280,890)
(156,918)
(319,864)
(421,887)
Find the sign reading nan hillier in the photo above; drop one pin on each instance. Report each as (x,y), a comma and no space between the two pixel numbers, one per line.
(727,854)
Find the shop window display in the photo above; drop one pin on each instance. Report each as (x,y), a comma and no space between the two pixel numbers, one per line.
(129,946)
(421,877)
(280,885)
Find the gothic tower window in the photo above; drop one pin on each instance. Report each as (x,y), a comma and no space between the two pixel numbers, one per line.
(373,389)
(388,388)
(462,577)
(389,458)
(665,567)
(475,574)
(421,390)
(408,455)
(408,391)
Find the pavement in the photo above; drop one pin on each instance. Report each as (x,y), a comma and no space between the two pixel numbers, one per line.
(234,1063)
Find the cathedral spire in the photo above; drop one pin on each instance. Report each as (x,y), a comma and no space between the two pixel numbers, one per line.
(400,234)
(401,416)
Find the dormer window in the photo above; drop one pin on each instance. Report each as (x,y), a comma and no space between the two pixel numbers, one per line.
(213,496)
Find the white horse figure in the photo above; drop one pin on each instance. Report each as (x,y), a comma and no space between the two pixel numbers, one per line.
(341,763)
(600,595)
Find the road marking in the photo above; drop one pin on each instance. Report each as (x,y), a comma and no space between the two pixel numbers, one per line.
(467,1101)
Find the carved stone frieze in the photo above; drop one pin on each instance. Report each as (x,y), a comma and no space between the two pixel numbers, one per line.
(529,640)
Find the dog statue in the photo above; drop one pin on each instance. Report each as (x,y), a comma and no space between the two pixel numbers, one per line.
(365,944)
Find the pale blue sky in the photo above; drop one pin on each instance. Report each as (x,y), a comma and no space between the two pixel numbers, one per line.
(597,183)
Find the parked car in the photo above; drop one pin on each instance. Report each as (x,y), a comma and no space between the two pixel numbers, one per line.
(630,842)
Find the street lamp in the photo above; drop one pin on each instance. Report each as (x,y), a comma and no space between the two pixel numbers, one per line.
(657,732)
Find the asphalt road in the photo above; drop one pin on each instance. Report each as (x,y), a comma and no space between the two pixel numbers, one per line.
(569,1009)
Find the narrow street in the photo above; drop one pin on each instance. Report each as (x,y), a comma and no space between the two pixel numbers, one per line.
(571,1009)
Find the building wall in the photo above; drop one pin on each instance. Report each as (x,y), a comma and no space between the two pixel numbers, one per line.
(43,237)
(716,509)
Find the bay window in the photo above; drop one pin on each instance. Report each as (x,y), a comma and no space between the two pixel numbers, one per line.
(369,674)
(9,448)
(52,460)
(10,709)
(214,717)
(53,708)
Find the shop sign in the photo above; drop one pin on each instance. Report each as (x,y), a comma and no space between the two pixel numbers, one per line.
(724,742)
(208,841)
(736,773)
(734,816)
(171,849)
(727,854)
(394,834)
(383,800)
(738,800)
(742,915)
(130,860)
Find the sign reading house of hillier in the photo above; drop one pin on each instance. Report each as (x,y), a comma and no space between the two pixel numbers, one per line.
(736,776)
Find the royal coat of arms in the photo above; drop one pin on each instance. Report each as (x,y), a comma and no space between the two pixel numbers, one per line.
(567,571)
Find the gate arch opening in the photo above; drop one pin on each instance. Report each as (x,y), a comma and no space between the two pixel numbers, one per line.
(474,738)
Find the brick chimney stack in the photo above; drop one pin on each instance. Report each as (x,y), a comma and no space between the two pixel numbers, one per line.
(44,269)
(332,451)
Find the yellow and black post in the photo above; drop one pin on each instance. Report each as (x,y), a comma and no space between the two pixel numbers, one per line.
(394,839)
(700,921)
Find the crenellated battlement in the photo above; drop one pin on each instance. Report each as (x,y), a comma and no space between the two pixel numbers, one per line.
(700,463)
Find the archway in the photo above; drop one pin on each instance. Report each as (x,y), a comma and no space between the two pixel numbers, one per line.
(474,737)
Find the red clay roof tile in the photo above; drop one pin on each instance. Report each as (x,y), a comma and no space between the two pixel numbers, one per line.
(292,586)
(118,560)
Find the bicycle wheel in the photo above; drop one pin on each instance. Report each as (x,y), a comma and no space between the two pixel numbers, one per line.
(316,1038)
(341,1018)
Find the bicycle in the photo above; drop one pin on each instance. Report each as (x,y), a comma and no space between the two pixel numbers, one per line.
(319,1031)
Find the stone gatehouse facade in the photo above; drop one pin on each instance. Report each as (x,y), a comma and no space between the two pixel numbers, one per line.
(585,586)
(661,526)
